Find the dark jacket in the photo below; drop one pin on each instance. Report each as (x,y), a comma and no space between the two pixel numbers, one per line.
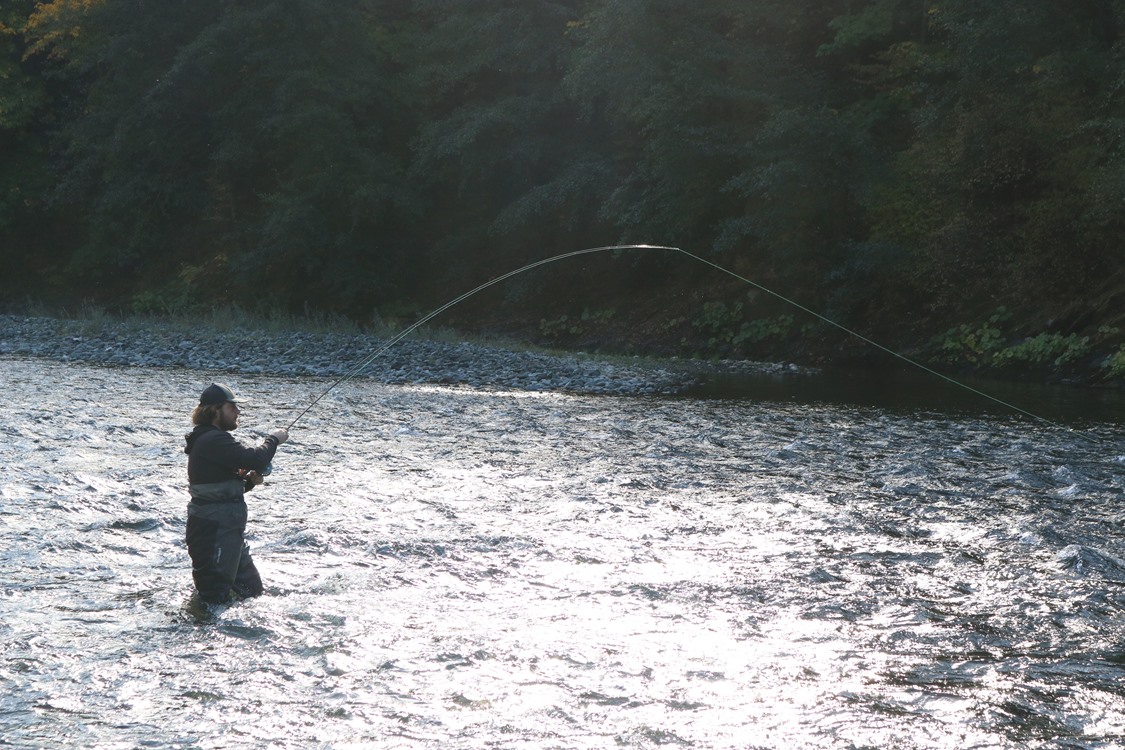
(214,457)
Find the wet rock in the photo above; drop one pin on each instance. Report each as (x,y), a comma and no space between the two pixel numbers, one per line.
(332,355)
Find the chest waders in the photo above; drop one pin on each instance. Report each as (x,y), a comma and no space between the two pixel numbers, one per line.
(221,565)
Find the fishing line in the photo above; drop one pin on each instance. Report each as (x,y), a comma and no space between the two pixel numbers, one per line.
(607,248)
(407,331)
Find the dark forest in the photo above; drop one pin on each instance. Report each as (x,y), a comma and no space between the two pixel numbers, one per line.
(946,177)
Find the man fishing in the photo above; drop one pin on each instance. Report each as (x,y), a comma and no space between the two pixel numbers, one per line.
(220,471)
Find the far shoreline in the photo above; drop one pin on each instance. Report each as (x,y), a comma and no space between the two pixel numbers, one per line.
(241,343)
(322,348)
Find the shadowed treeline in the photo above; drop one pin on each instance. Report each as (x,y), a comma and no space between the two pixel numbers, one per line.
(946,177)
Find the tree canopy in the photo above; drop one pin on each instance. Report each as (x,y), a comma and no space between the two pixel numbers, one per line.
(918,171)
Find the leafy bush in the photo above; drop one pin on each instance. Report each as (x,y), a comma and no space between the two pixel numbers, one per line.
(729,330)
(757,331)
(972,343)
(987,344)
(167,301)
(719,320)
(1114,364)
(565,325)
(1046,348)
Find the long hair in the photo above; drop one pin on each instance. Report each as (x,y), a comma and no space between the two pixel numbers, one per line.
(201,414)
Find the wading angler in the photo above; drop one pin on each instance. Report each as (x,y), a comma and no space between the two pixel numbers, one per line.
(221,470)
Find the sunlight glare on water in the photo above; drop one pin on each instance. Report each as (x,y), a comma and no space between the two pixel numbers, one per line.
(450,568)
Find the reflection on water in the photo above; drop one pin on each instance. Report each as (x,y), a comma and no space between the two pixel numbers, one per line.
(459,569)
(917,390)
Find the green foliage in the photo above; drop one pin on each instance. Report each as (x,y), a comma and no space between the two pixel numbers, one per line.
(151,302)
(22,93)
(1052,349)
(682,94)
(869,27)
(498,148)
(174,298)
(728,330)
(718,315)
(989,181)
(972,343)
(1114,364)
(988,344)
(566,326)
(889,163)
(29,104)
(255,132)
(758,331)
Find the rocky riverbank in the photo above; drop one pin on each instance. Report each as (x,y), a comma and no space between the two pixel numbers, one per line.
(326,354)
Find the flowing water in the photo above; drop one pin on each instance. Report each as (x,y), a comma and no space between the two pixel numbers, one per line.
(453,568)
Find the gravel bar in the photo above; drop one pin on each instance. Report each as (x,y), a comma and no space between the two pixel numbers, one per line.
(300,353)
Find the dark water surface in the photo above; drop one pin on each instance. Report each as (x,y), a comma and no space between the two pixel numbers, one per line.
(915,390)
(449,568)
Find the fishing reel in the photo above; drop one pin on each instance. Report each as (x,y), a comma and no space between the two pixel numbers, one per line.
(252,478)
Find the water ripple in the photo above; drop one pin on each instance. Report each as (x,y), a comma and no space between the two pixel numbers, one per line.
(450,568)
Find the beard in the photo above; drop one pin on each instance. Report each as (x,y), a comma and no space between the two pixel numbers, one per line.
(227,423)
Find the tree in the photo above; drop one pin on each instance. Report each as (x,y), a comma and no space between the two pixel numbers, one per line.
(1014,119)
(677,90)
(500,152)
(225,145)
(24,117)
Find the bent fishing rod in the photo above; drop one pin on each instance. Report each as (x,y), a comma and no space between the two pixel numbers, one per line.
(359,367)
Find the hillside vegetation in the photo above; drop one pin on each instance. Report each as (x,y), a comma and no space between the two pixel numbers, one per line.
(947,178)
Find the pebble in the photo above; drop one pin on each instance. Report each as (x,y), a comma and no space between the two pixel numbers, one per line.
(301,353)
(297,354)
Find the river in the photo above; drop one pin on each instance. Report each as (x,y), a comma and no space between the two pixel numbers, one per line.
(471,568)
